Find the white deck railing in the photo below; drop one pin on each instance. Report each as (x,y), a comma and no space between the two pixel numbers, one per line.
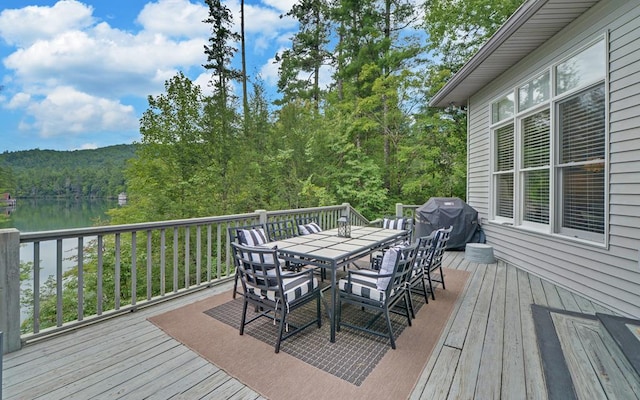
(100,272)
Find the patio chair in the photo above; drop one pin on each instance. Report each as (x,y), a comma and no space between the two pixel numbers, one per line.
(424,257)
(273,292)
(282,229)
(307,225)
(250,235)
(399,223)
(442,237)
(381,291)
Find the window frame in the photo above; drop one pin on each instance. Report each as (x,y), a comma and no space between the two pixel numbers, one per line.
(555,192)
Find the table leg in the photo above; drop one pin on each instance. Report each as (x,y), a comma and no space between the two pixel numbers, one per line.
(334,301)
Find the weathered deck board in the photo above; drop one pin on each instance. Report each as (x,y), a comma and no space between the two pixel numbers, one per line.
(465,378)
(490,371)
(488,349)
(534,380)
(513,371)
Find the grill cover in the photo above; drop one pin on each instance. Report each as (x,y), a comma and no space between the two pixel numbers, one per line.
(442,212)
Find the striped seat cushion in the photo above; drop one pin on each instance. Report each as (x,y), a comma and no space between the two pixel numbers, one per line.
(293,288)
(364,286)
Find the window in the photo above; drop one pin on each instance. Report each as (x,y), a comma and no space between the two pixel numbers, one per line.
(581,126)
(504,172)
(535,167)
(502,109)
(534,92)
(550,153)
(584,68)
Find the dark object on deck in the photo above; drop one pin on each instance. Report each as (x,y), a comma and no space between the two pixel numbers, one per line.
(442,212)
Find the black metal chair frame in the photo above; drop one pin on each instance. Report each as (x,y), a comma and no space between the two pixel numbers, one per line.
(424,257)
(443,235)
(281,229)
(260,269)
(396,293)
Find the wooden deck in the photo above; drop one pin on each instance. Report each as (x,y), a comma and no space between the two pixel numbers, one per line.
(487,351)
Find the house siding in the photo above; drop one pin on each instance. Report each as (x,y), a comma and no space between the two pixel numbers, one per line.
(608,274)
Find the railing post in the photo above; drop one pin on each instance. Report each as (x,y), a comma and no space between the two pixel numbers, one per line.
(399,210)
(10,289)
(263,216)
(347,210)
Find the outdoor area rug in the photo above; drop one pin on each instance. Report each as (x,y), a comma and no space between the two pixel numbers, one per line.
(357,365)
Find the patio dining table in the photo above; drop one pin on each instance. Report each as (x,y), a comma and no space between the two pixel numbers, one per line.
(327,250)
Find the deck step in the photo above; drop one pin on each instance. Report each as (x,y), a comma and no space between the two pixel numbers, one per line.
(587,356)
(623,334)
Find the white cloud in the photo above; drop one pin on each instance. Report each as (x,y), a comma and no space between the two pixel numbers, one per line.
(66,111)
(71,72)
(283,6)
(24,26)
(175,18)
(269,71)
(20,100)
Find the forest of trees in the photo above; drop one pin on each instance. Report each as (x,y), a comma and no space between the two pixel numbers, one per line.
(366,137)
(97,173)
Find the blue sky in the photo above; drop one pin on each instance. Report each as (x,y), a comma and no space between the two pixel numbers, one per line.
(76,74)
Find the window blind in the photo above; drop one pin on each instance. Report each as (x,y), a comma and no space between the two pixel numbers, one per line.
(582,143)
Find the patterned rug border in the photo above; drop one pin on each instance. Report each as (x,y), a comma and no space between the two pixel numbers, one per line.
(283,376)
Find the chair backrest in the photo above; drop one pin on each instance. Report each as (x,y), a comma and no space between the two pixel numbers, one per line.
(398,262)
(425,247)
(307,225)
(258,268)
(248,234)
(442,235)
(404,269)
(399,223)
(283,229)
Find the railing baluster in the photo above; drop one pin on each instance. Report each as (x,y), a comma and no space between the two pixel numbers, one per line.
(36,287)
(209,253)
(187,236)
(80,278)
(59,314)
(227,252)
(117,273)
(134,267)
(163,264)
(100,300)
(175,260)
(198,254)
(149,261)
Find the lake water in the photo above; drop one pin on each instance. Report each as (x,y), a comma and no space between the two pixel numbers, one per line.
(34,215)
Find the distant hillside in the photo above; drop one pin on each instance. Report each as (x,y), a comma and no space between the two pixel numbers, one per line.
(18,160)
(78,173)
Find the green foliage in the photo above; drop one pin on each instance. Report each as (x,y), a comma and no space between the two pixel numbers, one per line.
(457,29)
(81,173)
